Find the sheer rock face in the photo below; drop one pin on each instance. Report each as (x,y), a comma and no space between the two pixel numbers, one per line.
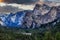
(28,19)
(44,14)
(41,14)
(58,12)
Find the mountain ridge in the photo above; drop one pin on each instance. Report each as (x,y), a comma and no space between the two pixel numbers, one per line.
(41,14)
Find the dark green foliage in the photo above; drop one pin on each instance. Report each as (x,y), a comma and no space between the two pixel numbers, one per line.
(57,36)
(16,33)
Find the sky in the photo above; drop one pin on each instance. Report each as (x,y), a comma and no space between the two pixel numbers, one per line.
(15,5)
(18,5)
(25,1)
(19,1)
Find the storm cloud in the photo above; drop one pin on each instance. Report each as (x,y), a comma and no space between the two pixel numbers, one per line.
(21,1)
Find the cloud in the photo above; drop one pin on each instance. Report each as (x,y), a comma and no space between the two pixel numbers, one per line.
(27,1)
(21,1)
(9,9)
(5,7)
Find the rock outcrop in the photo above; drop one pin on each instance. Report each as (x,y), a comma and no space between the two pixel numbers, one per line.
(40,15)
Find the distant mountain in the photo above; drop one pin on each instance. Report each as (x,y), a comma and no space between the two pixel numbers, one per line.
(40,15)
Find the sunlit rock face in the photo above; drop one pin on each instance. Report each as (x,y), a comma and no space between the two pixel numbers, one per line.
(28,19)
(42,14)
